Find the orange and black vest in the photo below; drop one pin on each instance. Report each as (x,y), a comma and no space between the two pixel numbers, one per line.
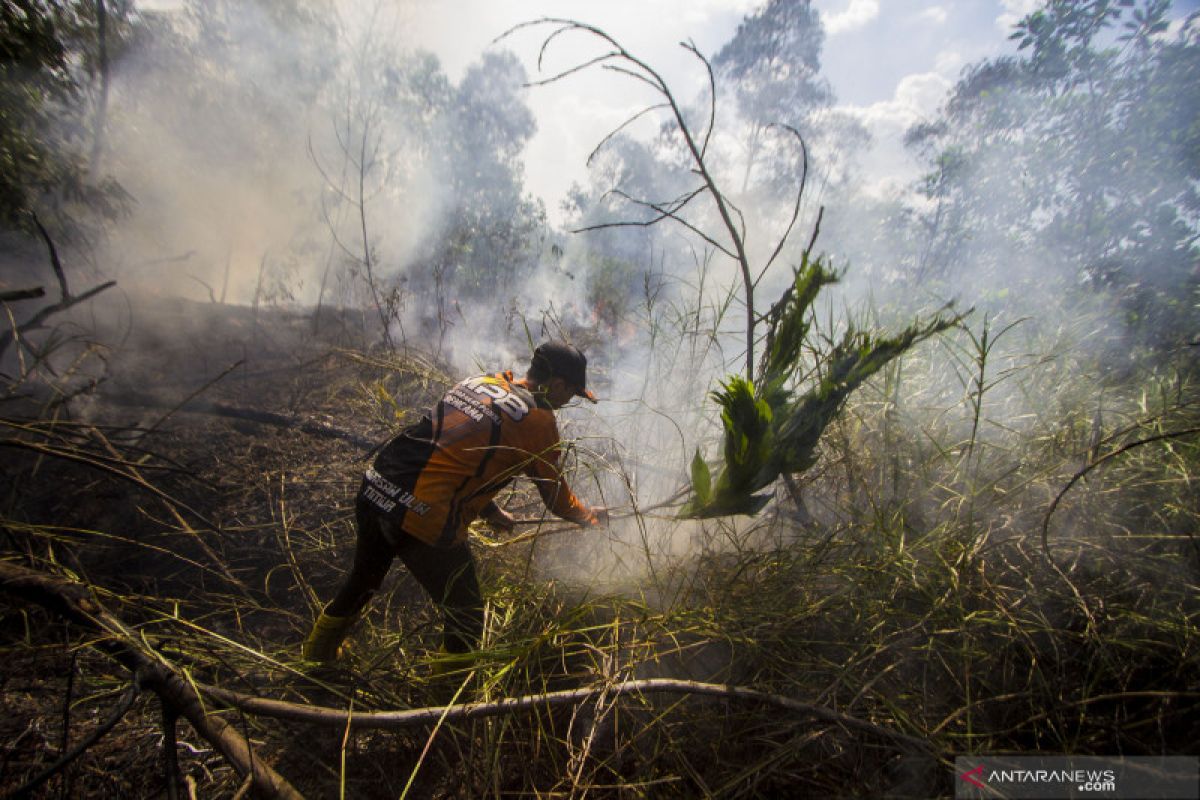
(435,477)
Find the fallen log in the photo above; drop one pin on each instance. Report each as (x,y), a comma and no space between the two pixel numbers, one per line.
(199,406)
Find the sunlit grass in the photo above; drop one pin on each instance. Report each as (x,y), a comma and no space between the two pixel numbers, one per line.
(910,591)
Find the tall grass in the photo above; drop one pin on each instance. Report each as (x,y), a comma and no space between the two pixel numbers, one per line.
(903,584)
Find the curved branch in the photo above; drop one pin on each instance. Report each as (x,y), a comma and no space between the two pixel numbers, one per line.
(635,75)
(681,202)
(118,713)
(722,208)
(690,46)
(1085,470)
(799,197)
(577,68)
(545,44)
(622,127)
(664,213)
(361,720)
(697,153)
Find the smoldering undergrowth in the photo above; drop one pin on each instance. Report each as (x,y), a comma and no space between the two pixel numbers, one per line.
(902,582)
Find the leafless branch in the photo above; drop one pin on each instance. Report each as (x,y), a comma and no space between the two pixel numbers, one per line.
(55,263)
(572,70)
(622,127)
(796,207)
(336,187)
(690,46)
(812,241)
(37,320)
(663,213)
(66,299)
(363,720)
(631,66)
(632,74)
(22,294)
(1092,465)
(212,295)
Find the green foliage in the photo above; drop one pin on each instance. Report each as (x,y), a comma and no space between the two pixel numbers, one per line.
(1079,155)
(748,449)
(917,603)
(47,65)
(494,228)
(769,430)
(772,66)
(789,322)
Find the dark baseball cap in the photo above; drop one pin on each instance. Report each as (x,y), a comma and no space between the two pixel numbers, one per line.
(564,361)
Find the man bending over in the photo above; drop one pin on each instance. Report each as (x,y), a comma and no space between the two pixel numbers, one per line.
(432,480)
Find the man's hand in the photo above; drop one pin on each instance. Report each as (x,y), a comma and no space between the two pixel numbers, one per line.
(601,514)
(498,518)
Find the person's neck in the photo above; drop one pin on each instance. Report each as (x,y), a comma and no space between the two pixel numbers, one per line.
(539,395)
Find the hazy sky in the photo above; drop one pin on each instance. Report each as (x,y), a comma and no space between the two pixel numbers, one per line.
(890,62)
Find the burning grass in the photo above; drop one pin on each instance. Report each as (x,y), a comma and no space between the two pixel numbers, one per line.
(904,613)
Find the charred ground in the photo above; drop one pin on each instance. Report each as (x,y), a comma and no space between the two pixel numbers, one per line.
(206,504)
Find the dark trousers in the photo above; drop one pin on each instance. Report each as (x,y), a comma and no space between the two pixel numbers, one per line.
(447,574)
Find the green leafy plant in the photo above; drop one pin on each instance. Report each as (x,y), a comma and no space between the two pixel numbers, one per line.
(771,429)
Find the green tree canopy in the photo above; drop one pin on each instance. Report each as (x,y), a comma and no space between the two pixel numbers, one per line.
(772,66)
(48,64)
(1077,157)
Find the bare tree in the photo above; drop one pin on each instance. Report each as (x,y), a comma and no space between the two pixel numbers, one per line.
(66,298)
(365,171)
(732,235)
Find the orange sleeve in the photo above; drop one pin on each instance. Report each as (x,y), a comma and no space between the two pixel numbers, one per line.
(543,468)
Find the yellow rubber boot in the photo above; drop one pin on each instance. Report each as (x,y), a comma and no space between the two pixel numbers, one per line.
(326,637)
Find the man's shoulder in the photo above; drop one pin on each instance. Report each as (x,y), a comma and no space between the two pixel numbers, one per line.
(500,392)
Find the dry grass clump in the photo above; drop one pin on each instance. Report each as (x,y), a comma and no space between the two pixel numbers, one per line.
(898,610)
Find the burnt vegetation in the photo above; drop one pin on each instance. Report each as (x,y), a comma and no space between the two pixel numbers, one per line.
(846,546)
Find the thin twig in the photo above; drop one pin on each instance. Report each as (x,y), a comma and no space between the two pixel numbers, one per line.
(83,745)
(22,294)
(644,72)
(66,299)
(194,395)
(1085,470)
(55,263)
(75,602)
(170,751)
(609,136)
(796,207)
